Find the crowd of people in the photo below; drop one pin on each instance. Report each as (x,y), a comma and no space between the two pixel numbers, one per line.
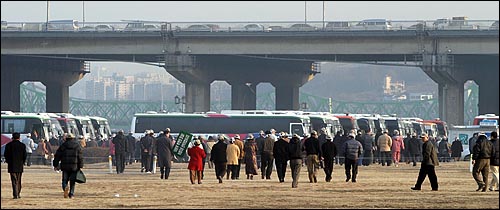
(226,155)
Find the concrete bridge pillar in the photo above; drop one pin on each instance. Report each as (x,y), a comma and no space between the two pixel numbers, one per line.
(196,80)
(56,73)
(451,102)
(287,96)
(243,95)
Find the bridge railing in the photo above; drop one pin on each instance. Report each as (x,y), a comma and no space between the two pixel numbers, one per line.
(255,26)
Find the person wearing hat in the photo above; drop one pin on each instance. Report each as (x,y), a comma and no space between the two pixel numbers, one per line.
(146,151)
(195,166)
(481,155)
(219,157)
(68,159)
(240,144)
(415,148)
(267,156)
(15,156)
(30,147)
(311,146)
(352,150)
(163,147)
(429,162)
(250,158)
(328,153)
(260,147)
(295,156)
(233,153)
(120,143)
(384,143)
(280,153)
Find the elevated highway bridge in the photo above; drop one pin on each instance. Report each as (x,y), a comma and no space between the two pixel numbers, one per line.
(287,59)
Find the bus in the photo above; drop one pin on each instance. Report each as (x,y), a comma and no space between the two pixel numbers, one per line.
(320,120)
(38,125)
(84,126)
(68,124)
(442,128)
(348,123)
(479,118)
(395,123)
(215,123)
(101,126)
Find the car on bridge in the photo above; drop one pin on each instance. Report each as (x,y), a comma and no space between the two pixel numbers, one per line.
(338,25)
(374,24)
(202,27)
(494,26)
(302,27)
(104,27)
(255,27)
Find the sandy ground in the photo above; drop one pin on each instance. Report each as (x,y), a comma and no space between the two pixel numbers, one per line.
(376,187)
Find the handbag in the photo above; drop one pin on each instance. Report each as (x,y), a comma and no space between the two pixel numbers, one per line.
(80,177)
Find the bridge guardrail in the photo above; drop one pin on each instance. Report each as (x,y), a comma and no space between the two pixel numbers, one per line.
(258,26)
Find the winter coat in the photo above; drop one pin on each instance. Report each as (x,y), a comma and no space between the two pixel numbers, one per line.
(368,142)
(397,144)
(164,150)
(444,148)
(196,155)
(495,158)
(268,145)
(311,146)
(70,156)
(219,151)
(429,154)
(353,149)
(120,144)
(147,145)
(280,150)
(294,149)
(240,145)
(483,149)
(130,143)
(456,148)
(30,144)
(233,153)
(384,143)
(328,150)
(415,146)
(15,155)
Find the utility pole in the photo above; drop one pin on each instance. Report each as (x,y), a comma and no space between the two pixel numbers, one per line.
(305,12)
(47,21)
(323,15)
(83,10)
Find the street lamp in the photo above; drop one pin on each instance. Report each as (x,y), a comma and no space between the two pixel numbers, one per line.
(180,100)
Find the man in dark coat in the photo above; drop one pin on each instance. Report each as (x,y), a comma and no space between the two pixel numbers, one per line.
(219,158)
(146,151)
(429,162)
(311,146)
(120,151)
(260,146)
(15,155)
(494,161)
(130,148)
(295,156)
(328,153)
(352,150)
(368,143)
(164,151)
(68,159)
(280,153)
(456,149)
(482,152)
(338,140)
(415,148)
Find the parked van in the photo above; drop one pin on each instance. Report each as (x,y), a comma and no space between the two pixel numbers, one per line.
(62,25)
(374,24)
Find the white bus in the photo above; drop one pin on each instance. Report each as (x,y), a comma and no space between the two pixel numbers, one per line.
(213,123)
(101,126)
(37,125)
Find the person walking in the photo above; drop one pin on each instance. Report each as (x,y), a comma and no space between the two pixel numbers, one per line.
(384,145)
(397,146)
(250,157)
(30,147)
(368,145)
(196,155)
(444,150)
(240,144)
(219,158)
(69,159)
(295,156)
(260,147)
(495,159)
(120,151)
(415,148)
(210,143)
(15,155)
(130,148)
(146,151)
(338,140)
(328,153)
(481,157)
(164,150)
(456,149)
(427,167)
(352,150)
(280,153)
(311,146)
(233,153)
(267,156)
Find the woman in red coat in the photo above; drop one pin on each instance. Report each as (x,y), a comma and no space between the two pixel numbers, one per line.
(196,155)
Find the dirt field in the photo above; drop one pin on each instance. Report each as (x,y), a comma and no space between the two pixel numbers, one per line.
(376,187)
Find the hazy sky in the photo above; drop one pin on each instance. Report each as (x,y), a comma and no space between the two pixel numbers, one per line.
(110,11)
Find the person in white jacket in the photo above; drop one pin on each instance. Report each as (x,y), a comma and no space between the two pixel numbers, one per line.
(30,146)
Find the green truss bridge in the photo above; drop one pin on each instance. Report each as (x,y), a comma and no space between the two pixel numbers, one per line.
(120,113)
